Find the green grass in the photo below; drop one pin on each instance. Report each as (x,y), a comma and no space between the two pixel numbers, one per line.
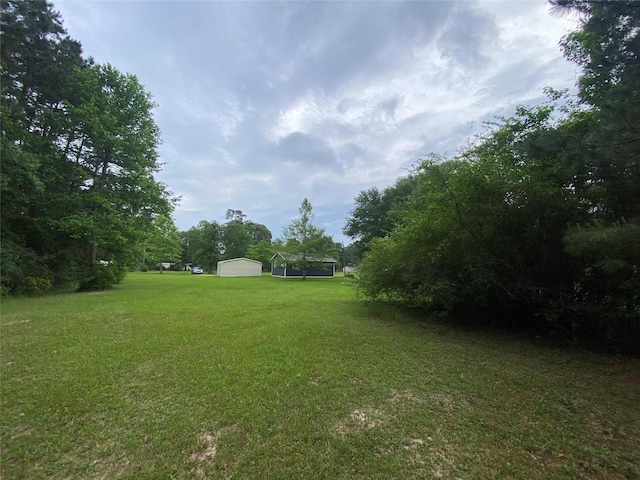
(183,376)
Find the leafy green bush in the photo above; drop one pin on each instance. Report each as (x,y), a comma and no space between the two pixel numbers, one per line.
(37,285)
(23,271)
(607,291)
(101,277)
(487,233)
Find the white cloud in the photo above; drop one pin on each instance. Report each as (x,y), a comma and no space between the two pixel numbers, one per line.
(263,104)
(221,113)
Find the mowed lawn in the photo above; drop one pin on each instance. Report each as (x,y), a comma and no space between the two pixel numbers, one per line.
(182,376)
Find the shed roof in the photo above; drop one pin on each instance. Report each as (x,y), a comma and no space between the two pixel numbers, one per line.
(296,256)
(239,259)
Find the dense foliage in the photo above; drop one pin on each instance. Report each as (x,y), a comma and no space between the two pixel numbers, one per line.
(373,215)
(79,151)
(209,242)
(537,224)
(163,244)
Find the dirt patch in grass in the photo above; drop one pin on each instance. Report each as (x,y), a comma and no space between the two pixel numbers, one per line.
(205,457)
(370,417)
(360,419)
(405,396)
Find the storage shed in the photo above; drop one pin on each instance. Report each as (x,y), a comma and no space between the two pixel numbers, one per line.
(287,266)
(239,267)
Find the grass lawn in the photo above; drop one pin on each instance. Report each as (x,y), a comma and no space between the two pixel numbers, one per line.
(184,376)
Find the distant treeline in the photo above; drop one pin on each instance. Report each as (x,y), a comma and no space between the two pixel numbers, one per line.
(209,242)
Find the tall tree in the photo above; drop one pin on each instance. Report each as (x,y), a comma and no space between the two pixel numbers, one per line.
(111,154)
(37,60)
(258,232)
(37,63)
(79,151)
(163,242)
(607,48)
(607,175)
(234,215)
(203,245)
(307,242)
(235,240)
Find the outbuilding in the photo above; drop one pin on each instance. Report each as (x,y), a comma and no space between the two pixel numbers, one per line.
(288,266)
(239,267)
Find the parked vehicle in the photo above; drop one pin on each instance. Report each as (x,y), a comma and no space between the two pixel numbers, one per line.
(196,270)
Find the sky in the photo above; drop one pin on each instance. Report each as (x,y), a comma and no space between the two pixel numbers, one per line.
(263,104)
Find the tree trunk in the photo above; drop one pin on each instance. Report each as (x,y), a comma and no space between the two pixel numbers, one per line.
(94,253)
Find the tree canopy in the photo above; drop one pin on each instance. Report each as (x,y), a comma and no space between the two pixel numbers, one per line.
(374,213)
(209,242)
(163,242)
(79,154)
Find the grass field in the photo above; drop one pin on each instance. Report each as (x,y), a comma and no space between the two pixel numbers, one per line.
(183,376)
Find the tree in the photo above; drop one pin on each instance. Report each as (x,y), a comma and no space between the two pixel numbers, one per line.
(305,241)
(258,232)
(210,242)
(607,48)
(37,63)
(234,215)
(111,152)
(238,234)
(79,151)
(163,241)
(483,232)
(262,251)
(235,240)
(537,223)
(373,215)
(37,58)
(203,245)
(607,175)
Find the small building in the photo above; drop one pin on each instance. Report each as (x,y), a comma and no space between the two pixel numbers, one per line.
(239,267)
(288,266)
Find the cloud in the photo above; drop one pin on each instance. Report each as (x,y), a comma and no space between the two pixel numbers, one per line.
(264,103)
(219,114)
(302,148)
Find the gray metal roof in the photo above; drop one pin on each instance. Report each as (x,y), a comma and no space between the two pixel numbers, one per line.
(296,256)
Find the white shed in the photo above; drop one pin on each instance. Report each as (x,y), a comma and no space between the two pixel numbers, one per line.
(239,267)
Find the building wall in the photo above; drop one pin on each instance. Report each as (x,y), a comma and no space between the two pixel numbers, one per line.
(327,271)
(239,267)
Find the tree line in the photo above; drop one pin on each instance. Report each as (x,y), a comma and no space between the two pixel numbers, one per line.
(537,223)
(79,202)
(210,242)
(79,152)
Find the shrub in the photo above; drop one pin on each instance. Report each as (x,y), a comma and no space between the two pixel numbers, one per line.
(101,277)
